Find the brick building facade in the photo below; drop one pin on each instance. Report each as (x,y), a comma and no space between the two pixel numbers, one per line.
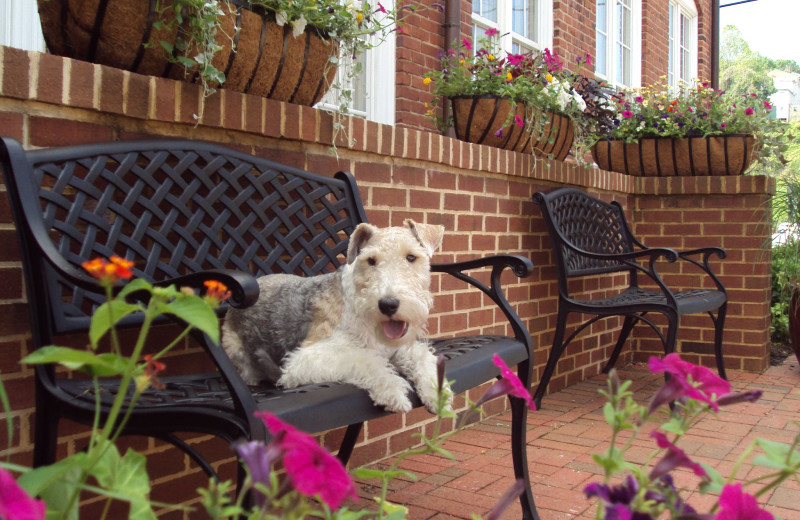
(481,195)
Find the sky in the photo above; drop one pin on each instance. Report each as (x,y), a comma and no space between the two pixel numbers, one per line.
(770,27)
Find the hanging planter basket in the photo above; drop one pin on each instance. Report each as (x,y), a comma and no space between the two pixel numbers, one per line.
(477,119)
(268,61)
(666,156)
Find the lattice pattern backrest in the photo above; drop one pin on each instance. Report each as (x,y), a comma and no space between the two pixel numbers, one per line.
(180,210)
(591,225)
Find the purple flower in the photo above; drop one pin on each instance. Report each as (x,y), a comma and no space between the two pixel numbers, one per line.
(617,499)
(674,458)
(508,383)
(736,505)
(750,396)
(258,459)
(15,503)
(687,380)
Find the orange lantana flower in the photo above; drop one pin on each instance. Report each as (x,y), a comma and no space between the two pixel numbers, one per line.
(111,272)
(217,291)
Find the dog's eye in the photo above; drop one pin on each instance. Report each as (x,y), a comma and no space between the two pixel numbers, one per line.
(371,261)
(411,259)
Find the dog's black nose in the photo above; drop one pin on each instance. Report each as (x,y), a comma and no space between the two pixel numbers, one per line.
(389,306)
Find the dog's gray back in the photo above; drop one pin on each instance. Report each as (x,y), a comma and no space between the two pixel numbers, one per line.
(289,309)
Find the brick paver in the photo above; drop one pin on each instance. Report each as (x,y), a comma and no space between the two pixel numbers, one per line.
(570,427)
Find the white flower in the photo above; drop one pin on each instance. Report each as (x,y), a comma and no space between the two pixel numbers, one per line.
(281,18)
(298,26)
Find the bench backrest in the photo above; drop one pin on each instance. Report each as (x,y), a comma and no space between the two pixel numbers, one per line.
(173,207)
(576,219)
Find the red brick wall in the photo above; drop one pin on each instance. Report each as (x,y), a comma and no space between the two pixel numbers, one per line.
(482,196)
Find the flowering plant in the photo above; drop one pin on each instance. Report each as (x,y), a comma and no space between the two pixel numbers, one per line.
(650,491)
(691,110)
(538,80)
(116,476)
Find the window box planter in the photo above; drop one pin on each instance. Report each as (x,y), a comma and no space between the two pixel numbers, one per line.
(667,156)
(477,119)
(269,61)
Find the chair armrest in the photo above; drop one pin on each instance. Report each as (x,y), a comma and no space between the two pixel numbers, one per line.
(520,265)
(243,286)
(703,264)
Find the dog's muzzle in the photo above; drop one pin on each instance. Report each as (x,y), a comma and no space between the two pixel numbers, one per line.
(393,329)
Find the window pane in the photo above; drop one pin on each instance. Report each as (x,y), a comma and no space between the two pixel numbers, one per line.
(601,39)
(485,8)
(602,14)
(671,62)
(523,18)
(686,48)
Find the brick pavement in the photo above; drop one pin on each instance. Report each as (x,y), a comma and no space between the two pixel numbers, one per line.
(570,427)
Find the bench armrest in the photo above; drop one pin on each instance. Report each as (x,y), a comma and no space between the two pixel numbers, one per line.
(520,265)
(243,286)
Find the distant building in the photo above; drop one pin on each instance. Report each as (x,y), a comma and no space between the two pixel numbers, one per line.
(786,100)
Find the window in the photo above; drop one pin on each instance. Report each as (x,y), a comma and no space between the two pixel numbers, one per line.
(19,25)
(618,52)
(371,87)
(682,42)
(522,25)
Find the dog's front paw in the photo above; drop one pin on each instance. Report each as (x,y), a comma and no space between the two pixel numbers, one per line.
(430,398)
(393,395)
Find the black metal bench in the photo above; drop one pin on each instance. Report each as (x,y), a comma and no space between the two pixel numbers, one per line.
(592,237)
(191,211)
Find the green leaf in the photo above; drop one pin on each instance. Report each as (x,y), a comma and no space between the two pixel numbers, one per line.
(375,474)
(6,410)
(135,285)
(100,365)
(102,321)
(56,484)
(127,478)
(610,414)
(776,455)
(196,312)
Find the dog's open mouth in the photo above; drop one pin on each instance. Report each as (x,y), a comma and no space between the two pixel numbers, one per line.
(394,329)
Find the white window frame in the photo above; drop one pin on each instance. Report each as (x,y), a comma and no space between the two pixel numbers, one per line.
(613,67)
(19,25)
(378,75)
(507,39)
(683,17)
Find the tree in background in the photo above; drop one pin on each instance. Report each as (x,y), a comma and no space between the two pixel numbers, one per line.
(743,71)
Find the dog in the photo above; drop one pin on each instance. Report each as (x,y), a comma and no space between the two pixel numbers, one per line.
(364,324)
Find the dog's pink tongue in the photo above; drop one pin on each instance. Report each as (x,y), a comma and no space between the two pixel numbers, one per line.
(394,329)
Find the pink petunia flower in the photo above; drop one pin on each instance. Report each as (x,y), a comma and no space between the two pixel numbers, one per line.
(381,8)
(674,458)
(15,503)
(767,105)
(312,470)
(519,121)
(627,114)
(508,384)
(466,43)
(639,99)
(687,380)
(749,111)
(491,31)
(736,505)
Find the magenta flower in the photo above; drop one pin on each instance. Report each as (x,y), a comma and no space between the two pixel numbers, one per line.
(508,383)
(627,114)
(491,31)
(312,470)
(518,120)
(639,99)
(749,111)
(723,125)
(15,503)
(767,105)
(381,8)
(674,458)
(736,505)
(465,42)
(687,380)
(515,59)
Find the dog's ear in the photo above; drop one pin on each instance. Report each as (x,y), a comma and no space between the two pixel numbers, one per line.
(429,235)
(360,236)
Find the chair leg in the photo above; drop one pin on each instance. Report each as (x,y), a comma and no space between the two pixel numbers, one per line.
(45,436)
(555,352)
(672,333)
(349,442)
(519,455)
(627,326)
(719,323)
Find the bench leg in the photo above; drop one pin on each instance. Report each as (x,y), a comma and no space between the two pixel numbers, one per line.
(719,325)
(519,454)
(627,327)
(555,352)
(45,435)
(349,442)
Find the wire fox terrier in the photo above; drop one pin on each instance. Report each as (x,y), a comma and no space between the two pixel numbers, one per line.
(364,324)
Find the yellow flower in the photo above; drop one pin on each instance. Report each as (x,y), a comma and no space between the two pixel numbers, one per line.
(430,112)
(549,78)
(359,17)
(490,57)
(460,62)
(509,77)
(426,81)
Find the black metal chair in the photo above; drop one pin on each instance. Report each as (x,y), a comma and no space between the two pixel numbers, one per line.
(591,237)
(189,211)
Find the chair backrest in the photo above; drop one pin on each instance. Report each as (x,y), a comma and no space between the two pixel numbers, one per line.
(576,223)
(171,206)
